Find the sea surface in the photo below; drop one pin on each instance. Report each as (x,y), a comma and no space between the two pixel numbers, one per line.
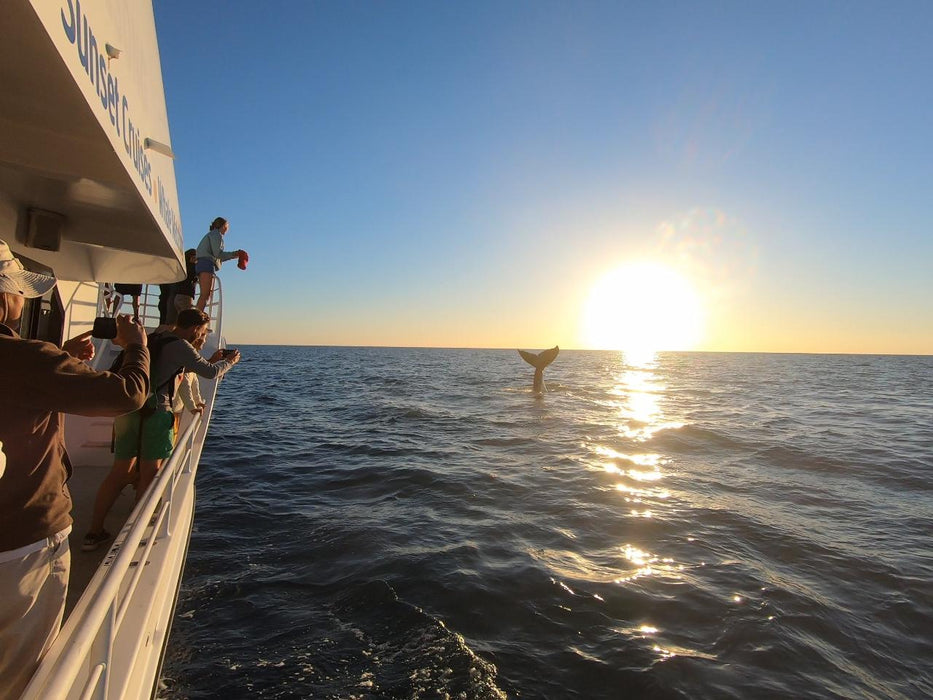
(416,523)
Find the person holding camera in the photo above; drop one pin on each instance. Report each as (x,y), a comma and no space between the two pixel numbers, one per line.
(148,435)
(40,382)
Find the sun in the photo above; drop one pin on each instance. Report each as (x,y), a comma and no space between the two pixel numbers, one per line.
(642,307)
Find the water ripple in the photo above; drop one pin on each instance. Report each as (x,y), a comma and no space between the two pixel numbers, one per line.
(417,523)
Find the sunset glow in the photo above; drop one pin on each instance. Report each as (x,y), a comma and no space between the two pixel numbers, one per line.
(641,308)
(451,186)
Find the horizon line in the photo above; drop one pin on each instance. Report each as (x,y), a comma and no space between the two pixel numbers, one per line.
(656,352)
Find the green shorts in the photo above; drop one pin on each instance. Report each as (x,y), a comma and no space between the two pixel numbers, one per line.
(154,440)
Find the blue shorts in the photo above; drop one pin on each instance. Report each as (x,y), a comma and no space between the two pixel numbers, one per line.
(204,265)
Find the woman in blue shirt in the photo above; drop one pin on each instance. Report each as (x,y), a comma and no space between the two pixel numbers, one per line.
(210,256)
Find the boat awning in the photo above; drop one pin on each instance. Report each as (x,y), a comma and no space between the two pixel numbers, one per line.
(85,152)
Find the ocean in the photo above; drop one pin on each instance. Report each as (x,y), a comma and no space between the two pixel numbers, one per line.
(416,523)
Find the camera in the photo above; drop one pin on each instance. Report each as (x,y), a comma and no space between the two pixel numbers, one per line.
(104,327)
(228,351)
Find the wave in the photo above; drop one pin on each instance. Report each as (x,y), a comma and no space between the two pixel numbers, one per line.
(712,526)
(689,439)
(353,640)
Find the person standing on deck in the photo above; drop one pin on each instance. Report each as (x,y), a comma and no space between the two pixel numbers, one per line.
(183,292)
(134,291)
(148,435)
(40,382)
(210,256)
(166,292)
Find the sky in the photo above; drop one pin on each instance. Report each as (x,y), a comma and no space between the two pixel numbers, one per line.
(470,174)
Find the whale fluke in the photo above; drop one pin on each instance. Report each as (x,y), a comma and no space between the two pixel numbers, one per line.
(539,361)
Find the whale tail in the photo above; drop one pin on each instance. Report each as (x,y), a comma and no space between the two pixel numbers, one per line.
(540,360)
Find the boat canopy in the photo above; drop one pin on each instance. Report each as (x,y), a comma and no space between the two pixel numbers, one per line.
(87,180)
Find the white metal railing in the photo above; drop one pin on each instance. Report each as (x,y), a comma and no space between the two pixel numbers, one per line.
(83,652)
(99,621)
(216,311)
(149,304)
(149,312)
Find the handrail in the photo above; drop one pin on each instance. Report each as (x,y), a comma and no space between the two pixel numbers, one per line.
(149,316)
(86,643)
(105,597)
(215,305)
(148,311)
(214,308)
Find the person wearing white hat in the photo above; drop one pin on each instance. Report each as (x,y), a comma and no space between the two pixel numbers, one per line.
(40,381)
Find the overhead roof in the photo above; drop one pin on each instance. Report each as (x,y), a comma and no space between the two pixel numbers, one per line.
(74,124)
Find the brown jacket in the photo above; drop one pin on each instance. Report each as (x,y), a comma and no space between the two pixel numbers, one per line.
(39,382)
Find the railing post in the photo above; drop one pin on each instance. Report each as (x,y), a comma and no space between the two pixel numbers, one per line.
(189,448)
(164,523)
(100,658)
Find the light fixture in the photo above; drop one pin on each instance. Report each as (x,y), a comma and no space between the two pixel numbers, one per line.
(112,51)
(158,147)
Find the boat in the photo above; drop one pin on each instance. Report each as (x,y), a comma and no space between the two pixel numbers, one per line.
(88,192)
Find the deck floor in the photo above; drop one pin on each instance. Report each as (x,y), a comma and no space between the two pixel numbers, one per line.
(83,485)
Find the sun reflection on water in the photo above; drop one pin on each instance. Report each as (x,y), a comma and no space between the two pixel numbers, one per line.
(636,404)
(651,635)
(648,564)
(639,390)
(646,465)
(635,471)
(636,495)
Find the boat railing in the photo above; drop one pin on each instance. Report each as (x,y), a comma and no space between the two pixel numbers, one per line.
(215,310)
(80,662)
(149,309)
(96,621)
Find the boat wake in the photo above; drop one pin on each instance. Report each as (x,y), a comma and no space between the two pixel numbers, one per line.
(357,641)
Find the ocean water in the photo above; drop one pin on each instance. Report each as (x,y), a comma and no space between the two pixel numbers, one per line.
(416,523)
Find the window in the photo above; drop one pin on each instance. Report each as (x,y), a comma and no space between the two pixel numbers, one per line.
(43,317)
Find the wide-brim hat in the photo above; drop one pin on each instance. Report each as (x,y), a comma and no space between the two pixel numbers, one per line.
(16,279)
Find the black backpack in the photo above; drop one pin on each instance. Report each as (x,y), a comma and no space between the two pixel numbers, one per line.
(156,342)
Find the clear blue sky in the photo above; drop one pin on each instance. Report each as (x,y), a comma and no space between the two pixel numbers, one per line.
(461,173)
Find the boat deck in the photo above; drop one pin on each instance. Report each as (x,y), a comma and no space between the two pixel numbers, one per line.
(83,485)
(121,596)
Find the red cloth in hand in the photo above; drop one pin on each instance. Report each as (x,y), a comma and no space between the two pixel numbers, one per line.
(243,259)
